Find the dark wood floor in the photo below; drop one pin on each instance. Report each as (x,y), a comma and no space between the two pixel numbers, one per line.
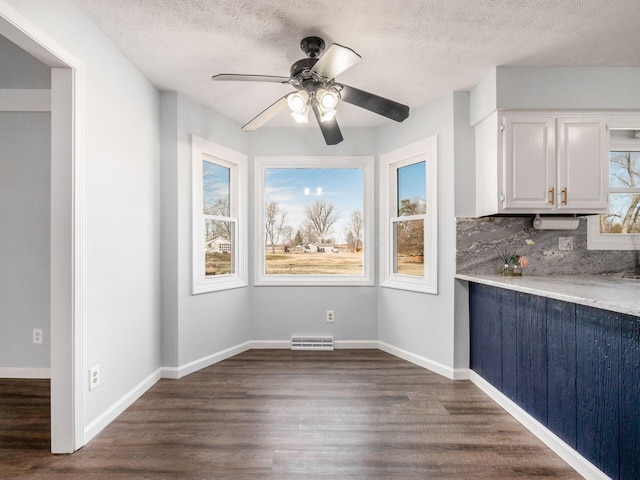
(276,414)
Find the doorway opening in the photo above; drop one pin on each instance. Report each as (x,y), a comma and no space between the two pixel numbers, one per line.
(66,266)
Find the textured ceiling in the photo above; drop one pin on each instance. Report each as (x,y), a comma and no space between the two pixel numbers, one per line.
(413,51)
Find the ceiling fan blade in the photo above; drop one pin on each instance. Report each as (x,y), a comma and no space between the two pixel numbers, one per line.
(335,61)
(266,115)
(382,106)
(231,77)
(330,129)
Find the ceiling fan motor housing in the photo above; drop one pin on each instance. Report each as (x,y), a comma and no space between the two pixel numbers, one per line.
(312,46)
(302,65)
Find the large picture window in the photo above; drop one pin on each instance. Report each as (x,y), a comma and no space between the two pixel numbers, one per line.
(408,217)
(315,219)
(619,229)
(219,217)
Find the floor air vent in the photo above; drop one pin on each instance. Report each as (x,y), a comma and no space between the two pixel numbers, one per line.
(311,343)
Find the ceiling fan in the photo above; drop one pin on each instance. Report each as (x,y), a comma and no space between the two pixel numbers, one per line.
(314,79)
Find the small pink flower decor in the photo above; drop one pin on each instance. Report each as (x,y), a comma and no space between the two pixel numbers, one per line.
(513,263)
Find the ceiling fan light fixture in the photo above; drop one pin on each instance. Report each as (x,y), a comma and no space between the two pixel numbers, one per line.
(327,116)
(313,78)
(301,117)
(298,102)
(327,99)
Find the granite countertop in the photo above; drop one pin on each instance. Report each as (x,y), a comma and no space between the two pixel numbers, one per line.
(616,294)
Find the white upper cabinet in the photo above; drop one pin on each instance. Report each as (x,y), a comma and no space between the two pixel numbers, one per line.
(542,163)
(583,164)
(529,166)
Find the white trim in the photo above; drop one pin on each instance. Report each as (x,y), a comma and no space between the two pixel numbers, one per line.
(67,416)
(435,367)
(25,372)
(110,414)
(366,163)
(356,344)
(424,150)
(195,365)
(237,164)
(25,100)
(564,451)
(615,241)
(179,372)
(271,344)
(609,241)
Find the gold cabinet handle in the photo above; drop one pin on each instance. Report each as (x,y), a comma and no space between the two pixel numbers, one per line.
(564,196)
(552,196)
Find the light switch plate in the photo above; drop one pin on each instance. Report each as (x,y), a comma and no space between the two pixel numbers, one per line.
(565,243)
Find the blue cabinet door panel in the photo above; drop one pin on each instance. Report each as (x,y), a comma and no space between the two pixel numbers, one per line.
(630,399)
(476,292)
(531,355)
(561,384)
(598,387)
(492,337)
(509,360)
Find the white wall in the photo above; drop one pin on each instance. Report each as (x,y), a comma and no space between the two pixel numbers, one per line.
(557,88)
(121,214)
(25,169)
(279,312)
(194,326)
(420,323)
(20,69)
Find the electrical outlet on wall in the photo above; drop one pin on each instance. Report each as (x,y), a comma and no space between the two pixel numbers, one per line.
(37,336)
(330,317)
(94,377)
(565,243)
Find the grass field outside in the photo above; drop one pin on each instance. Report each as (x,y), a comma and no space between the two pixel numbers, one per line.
(410,265)
(329,263)
(314,263)
(217,263)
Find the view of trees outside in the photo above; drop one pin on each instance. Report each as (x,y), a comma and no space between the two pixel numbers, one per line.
(313,223)
(409,224)
(624,208)
(218,232)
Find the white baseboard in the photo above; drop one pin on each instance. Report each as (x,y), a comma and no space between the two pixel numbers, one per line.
(25,372)
(194,366)
(564,451)
(436,367)
(337,344)
(355,344)
(109,415)
(271,344)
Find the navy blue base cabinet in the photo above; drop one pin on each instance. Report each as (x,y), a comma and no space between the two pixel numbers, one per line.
(575,369)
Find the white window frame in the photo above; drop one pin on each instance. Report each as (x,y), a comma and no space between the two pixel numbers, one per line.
(236,162)
(425,150)
(366,164)
(615,241)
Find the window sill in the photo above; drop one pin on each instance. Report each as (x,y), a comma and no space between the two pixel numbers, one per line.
(609,241)
(409,286)
(229,284)
(315,281)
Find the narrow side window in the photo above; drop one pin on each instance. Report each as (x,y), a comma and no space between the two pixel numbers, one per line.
(408,193)
(219,217)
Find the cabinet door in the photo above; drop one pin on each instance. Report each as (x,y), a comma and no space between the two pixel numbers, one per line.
(598,348)
(561,360)
(529,168)
(583,165)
